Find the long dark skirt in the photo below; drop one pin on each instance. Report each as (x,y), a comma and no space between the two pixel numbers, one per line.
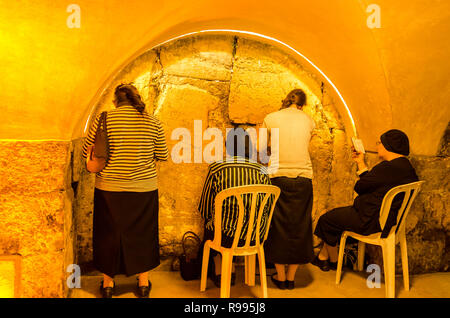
(125,239)
(290,235)
(331,225)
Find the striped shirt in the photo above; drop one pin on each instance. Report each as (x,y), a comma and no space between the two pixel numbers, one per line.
(136,141)
(226,174)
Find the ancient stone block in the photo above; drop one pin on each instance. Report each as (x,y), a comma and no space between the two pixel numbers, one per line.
(427,221)
(32,226)
(326,98)
(332,117)
(141,72)
(342,176)
(199,57)
(27,167)
(172,230)
(34,208)
(217,110)
(83,211)
(260,81)
(426,253)
(179,105)
(43,275)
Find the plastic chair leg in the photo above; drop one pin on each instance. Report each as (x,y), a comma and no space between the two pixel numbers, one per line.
(205,262)
(404,252)
(361,252)
(246,269)
(262,271)
(340,258)
(389,267)
(225,283)
(251,270)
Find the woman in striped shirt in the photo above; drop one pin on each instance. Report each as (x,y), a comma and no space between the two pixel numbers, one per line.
(125,231)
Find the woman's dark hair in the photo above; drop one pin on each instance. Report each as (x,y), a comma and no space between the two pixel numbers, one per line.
(296,96)
(128,94)
(239,143)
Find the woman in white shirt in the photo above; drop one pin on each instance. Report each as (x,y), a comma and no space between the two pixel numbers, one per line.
(289,241)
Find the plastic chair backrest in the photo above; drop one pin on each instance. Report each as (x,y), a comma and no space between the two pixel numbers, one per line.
(238,192)
(410,190)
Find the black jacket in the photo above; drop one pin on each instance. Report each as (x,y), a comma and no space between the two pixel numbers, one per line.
(372,187)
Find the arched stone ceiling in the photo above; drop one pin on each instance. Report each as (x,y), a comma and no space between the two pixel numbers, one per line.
(52,74)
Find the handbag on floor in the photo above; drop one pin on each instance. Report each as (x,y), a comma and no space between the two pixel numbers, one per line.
(190,262)
(98,157)
(350,259)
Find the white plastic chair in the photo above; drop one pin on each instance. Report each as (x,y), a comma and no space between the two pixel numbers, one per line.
(249,250)
(396,235)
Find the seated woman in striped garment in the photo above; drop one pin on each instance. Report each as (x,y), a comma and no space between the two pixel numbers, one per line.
(237,170)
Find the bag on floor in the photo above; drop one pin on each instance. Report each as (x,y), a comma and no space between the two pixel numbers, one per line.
(350,259)
(190,261)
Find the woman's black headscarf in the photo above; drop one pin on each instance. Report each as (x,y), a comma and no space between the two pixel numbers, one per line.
(396,141)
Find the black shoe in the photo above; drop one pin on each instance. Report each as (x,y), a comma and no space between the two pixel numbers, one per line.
(290,284)
(278,283)
(217,279)
(107,292)
(323,265)
(143,291)
(332,265)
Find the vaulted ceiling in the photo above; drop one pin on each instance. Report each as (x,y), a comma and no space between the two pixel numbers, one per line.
(394,76)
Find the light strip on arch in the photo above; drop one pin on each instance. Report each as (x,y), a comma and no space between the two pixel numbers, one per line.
(285,45)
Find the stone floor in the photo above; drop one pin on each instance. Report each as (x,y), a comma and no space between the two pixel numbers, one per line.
(310,282)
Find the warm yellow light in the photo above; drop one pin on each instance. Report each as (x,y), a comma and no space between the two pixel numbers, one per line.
(7,278)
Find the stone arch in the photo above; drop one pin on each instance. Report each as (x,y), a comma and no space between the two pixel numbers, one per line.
(223,80)
(331,91)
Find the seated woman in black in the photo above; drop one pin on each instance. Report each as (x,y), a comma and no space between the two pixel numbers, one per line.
(363,216)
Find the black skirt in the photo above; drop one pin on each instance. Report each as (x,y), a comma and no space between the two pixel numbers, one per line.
(290,238)
(331,225)
(125,239)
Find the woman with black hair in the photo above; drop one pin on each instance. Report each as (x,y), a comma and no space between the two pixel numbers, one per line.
(238,169)
(125,230)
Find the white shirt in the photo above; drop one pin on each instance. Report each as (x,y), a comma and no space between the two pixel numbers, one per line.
(291,157)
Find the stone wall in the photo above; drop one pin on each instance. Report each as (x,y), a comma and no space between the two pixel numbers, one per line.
(35,213)
(428,223)
(224,81)
(228,81)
